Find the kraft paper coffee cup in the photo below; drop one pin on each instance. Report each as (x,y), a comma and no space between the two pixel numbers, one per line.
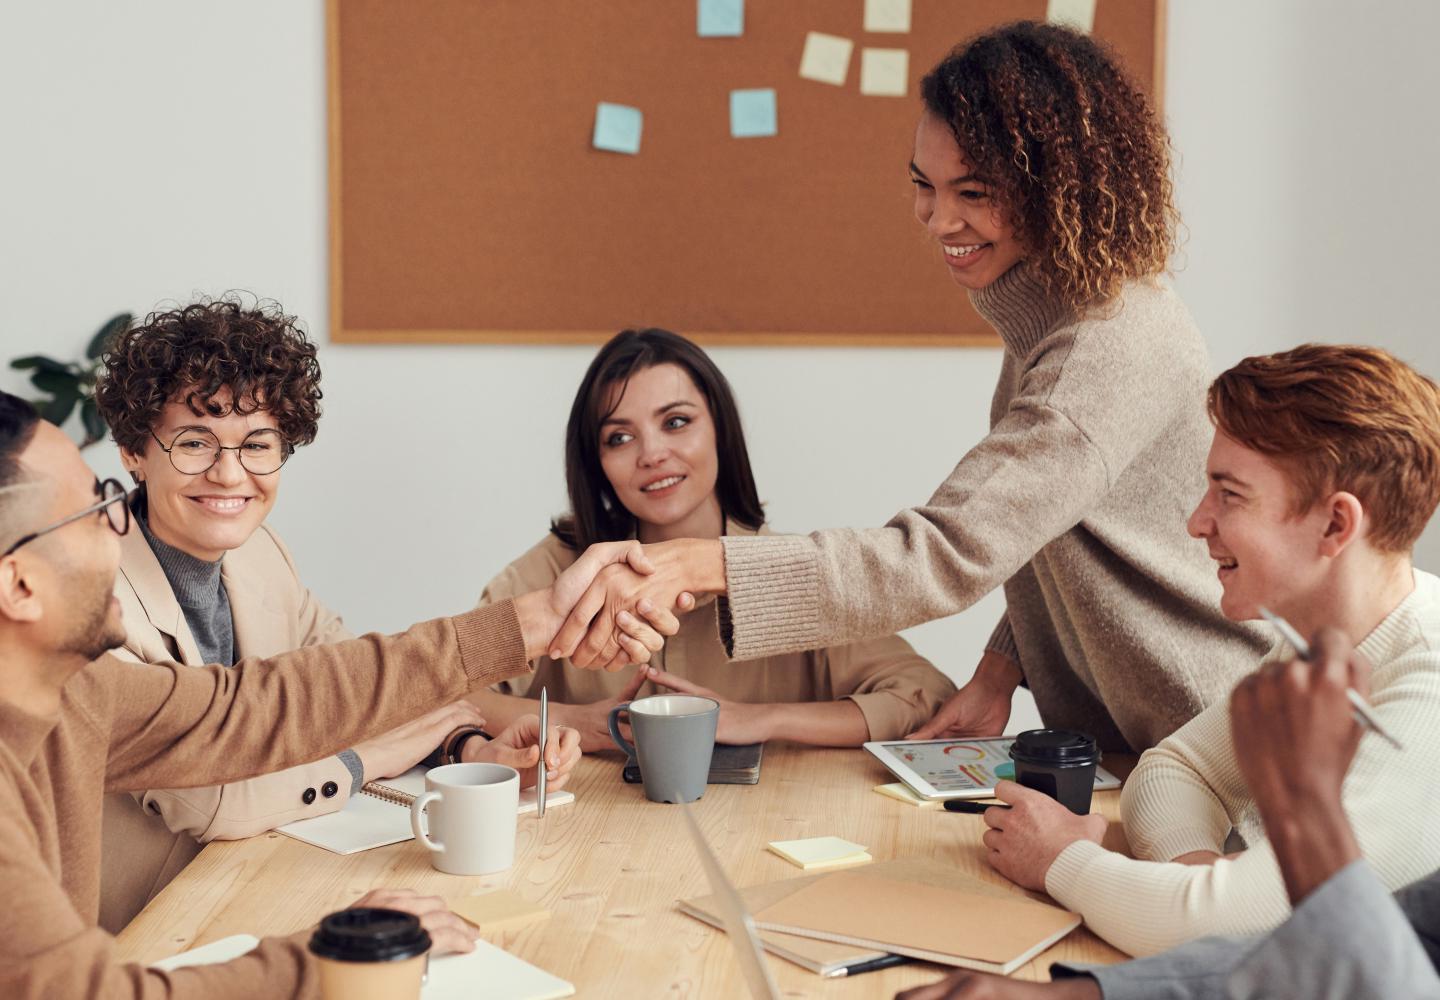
(370,954)
(1058,762)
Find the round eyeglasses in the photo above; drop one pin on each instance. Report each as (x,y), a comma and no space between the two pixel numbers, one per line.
(195,450)
(112,501)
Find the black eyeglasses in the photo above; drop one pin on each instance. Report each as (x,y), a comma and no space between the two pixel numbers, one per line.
(195,451)
(112,501)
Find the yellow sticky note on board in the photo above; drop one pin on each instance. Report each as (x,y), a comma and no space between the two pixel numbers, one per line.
(887,15)
(884,72)
(1077,14)
(902,793)
(500,910)
(826,58)
(820,852)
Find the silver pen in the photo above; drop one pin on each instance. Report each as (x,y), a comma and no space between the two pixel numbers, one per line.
(540,764)
(1364,714)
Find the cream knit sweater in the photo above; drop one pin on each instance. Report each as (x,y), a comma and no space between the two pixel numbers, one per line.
(1188,793)
(1076,502)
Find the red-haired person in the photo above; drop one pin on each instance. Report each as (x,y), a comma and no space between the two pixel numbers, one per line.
(1324,470)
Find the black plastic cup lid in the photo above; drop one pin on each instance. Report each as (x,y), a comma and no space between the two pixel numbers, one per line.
(369,935)
(1057,747)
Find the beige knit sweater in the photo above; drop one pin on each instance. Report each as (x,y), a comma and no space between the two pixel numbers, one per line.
(1188,793)
(1076,502)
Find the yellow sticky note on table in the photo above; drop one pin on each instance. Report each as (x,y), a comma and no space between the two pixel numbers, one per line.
(903,793)
(820,852)
(500,910)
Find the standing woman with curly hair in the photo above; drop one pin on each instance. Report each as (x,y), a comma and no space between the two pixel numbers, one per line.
(1043,176)
(207,402)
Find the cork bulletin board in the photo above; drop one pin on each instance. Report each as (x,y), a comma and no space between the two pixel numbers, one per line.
(468,205)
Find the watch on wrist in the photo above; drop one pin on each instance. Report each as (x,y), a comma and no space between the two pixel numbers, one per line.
(455,743)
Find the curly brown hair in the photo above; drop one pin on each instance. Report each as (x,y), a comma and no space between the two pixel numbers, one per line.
(193,353)
(1071,149)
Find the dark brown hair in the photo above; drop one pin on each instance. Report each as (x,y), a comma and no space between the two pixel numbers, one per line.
(1341,418)
(18,421)
(1071,150)
(596,513)
(192,353)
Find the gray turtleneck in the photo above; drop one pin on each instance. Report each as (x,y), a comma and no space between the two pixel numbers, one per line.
(1075,502)
(201,595)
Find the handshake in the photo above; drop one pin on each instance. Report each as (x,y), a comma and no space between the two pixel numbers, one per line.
(615,605)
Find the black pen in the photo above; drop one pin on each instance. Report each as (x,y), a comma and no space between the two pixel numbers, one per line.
(974,808)
(872,965)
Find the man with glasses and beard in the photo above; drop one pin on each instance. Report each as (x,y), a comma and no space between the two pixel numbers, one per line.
(76,723)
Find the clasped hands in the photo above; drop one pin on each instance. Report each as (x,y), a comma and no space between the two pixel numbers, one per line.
(614,606)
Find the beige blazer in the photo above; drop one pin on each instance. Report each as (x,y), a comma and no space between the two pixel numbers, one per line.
(895,688)
(148,837)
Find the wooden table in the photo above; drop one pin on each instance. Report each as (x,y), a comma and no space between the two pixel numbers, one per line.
(609,867)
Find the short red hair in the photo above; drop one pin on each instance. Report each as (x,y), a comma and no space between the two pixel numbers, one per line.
(1347,418)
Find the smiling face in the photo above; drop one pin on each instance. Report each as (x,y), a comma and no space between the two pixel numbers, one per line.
(657,449)
(976,243)
(1266,553)
(212,512)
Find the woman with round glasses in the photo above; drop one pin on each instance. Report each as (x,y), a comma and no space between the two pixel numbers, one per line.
(207,403)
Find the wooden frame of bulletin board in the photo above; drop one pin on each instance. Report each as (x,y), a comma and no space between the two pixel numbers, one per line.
(468,205)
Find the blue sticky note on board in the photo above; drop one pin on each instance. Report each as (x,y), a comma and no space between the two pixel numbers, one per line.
(752,113)
(617,128)
(719,18)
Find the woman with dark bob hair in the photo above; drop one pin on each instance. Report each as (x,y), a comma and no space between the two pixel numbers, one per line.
(1042,177)
(655,450)
(207,402)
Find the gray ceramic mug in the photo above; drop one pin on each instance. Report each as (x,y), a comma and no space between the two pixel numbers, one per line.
(674,739)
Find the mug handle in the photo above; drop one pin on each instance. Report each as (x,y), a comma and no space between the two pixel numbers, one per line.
(417,809)
(620,741)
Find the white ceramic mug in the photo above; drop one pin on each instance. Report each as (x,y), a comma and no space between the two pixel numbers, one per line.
(472,813)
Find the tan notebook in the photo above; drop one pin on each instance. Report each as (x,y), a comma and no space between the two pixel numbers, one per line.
(827,957)
(923,919)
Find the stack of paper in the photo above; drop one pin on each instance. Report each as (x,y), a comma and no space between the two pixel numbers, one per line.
(820,852)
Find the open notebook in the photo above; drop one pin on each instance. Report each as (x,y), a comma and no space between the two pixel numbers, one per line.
(487,971)
(380,815)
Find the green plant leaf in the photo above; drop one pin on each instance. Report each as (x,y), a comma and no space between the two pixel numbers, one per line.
(94,423)
(57,383)
(39,361)
(106,333)
(56,410)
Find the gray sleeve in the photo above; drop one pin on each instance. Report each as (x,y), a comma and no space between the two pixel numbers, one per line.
(1195,971)
(1349,940)
(351,760)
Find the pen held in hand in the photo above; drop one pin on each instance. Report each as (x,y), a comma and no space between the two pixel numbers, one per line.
(540,763)
(1364,714)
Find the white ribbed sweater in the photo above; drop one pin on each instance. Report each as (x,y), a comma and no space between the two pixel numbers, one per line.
(1187,794)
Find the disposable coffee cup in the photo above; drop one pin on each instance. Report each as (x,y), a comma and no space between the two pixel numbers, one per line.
(370,954)
(1058,762)
(674,740)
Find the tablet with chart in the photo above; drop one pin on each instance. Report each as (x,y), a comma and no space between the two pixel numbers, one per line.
(957,768)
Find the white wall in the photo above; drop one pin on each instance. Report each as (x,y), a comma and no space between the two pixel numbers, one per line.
(161,148)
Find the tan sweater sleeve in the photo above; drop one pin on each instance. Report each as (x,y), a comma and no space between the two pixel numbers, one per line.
(895,688)
(48,951)
(1029,481)
(175,726)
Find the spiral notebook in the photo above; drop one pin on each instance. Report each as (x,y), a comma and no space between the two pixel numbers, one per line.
(380,815)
